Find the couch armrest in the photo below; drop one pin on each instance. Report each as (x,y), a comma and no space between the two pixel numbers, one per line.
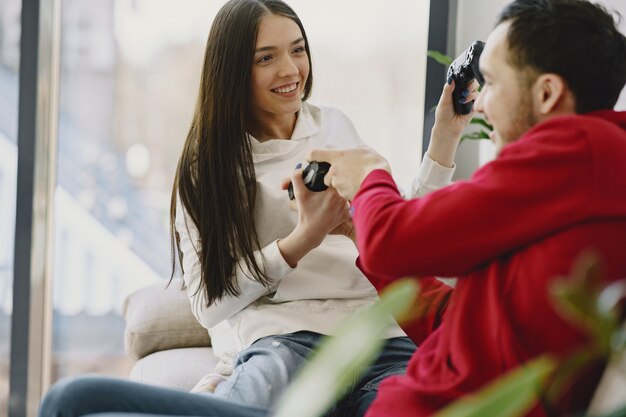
(179,369)
(160,318)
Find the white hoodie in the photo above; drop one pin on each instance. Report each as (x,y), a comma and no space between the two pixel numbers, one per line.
(325,287)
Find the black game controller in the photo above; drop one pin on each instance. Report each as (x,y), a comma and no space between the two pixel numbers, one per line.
(313,176)
(463,70)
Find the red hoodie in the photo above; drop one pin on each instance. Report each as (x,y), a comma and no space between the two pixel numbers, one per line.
(518,223)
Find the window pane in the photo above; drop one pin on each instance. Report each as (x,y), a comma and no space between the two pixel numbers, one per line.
(9,62)
(129,73)
(129,77)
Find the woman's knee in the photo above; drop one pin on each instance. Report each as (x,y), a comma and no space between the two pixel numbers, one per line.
(274,355)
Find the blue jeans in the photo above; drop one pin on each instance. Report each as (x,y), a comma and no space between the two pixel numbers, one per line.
(264,370)
(87,395)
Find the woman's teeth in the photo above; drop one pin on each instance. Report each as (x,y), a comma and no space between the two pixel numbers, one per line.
(286,89)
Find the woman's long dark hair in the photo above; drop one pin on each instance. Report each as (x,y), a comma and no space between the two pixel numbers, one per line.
(215,177)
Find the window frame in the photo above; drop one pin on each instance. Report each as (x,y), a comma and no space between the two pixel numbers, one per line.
(36,178)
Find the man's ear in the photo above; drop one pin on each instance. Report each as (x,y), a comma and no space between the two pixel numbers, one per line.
(551,93)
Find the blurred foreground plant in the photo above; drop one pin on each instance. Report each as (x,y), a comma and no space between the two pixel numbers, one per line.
(343,358)
(594,306)
(588,303)
(511,395)
(581,297)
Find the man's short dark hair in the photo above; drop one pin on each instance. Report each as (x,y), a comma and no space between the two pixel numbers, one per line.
(575,39)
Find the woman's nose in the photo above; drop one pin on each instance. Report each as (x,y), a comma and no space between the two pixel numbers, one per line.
(287,68)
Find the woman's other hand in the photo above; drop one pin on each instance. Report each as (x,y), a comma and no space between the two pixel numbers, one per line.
(319,214)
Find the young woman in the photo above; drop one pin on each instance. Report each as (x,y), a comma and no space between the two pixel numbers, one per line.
(267,281)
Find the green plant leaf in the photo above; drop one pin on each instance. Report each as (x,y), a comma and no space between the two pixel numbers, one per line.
(566,373)
(443,59)
(586,302)
(593,305)
(611,296)
(340,360)
(482,122)
(481,134)
(511,395)
(621,412)
(618,342)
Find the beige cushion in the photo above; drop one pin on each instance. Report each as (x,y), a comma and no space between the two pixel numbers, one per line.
(159,318)
(176,368)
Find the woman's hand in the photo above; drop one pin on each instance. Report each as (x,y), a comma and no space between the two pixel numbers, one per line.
(448,127)
(319,213)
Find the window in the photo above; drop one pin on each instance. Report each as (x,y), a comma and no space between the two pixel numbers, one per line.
(129,73)
(9,62)
(129,77)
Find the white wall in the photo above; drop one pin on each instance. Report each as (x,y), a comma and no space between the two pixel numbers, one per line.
(475,19)
(620,7)
(369,60)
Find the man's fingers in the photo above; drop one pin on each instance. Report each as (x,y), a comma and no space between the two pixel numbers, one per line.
(446,94)
(285,183)
(322,155)
(473,90)
(328,178)
(471,97)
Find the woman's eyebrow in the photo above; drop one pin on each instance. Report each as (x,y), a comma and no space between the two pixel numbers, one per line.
(270,48)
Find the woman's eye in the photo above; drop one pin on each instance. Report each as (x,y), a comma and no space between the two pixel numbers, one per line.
(264,59)
(299,50)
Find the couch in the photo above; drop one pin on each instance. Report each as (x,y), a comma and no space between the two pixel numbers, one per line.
(171,349)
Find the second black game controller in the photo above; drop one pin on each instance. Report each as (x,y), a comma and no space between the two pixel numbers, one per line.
(463,70)
(313,177)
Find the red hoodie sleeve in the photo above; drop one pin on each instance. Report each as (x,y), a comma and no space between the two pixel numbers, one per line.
(508,203)
(431,304)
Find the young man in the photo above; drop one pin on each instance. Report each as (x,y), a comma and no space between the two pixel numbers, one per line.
(553,70)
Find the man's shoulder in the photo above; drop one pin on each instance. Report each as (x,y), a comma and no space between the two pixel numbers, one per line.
(605,121)
(593,123)
(572,136)
(567,129)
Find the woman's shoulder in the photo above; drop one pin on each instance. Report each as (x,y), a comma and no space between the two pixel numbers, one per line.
(335,128)
(323,109)
(326,114)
